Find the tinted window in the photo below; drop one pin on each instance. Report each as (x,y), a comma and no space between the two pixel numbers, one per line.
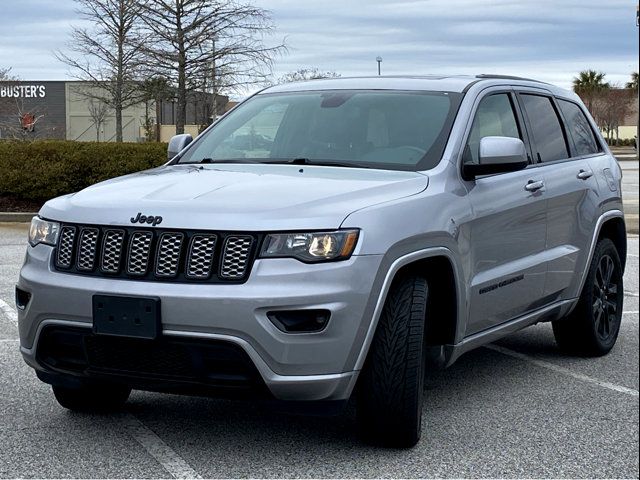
(494,117)
(394,130)
(580,128)
(546,128)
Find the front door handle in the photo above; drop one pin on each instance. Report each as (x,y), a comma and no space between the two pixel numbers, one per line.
(534,185)
(584,174)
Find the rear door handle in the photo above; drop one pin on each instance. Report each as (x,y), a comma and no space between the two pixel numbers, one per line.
(584,174)
(534,185)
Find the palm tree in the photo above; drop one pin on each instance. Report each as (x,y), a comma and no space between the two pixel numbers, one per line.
(633,84)
(588,84)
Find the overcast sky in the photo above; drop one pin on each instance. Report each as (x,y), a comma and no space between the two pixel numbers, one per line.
(547,39)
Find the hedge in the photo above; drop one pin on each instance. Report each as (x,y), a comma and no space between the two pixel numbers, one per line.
(44,169)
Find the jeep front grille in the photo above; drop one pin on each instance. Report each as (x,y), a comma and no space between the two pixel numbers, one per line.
(235,256)
(139,250)
(64,255)
(134,253)
(200,258)
(112,250)
(86,259)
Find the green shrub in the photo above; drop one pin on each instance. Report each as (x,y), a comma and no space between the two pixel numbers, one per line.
(46,169)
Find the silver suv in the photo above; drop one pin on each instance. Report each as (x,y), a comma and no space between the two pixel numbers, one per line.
(328,239)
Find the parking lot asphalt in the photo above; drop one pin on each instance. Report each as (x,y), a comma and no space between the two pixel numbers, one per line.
(516,409)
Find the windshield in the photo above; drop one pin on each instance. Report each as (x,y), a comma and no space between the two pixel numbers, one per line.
(376,129)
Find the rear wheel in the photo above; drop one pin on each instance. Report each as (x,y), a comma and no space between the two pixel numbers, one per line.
(92,398)
(390,394)
(593,326)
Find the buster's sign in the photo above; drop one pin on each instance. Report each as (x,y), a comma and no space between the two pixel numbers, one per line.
(22,91)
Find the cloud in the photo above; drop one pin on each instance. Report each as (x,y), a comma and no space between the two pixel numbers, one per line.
(547,39)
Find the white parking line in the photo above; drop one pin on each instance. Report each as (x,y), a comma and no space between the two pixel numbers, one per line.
(8,311)
(562,370)
(169,459)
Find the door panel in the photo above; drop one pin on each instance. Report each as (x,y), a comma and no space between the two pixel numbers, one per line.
(572,212)
(508,235)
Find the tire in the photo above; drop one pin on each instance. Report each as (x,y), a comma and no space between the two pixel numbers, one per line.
(391,385)
(92,398)
(592,328)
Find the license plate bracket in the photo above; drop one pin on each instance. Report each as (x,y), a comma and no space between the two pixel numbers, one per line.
(121,316)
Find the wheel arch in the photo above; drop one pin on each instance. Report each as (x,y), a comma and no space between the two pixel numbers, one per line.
(610,224)
(444,276)
(615,230)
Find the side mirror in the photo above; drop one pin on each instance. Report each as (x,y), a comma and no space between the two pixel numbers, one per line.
(497,155)
(177,143)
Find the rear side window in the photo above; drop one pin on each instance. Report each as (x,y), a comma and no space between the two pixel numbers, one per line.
(494,117)
(549,141)
(583,137)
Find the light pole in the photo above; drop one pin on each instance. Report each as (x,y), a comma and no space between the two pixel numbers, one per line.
(379,60)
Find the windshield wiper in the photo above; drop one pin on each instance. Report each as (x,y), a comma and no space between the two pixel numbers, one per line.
(319,162)
(226,160)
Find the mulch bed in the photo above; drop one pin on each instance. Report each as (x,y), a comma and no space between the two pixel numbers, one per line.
(10,204)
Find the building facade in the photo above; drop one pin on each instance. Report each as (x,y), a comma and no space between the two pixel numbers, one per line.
(68,110)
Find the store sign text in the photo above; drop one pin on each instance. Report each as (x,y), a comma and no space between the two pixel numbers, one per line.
(22,91)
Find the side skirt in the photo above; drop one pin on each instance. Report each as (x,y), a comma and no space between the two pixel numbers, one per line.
(550,312)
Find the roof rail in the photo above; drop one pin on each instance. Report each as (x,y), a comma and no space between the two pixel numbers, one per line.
(506,77)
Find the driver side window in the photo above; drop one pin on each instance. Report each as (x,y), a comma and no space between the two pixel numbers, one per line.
(494,117)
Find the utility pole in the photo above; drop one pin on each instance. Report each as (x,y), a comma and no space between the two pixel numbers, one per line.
(379,60)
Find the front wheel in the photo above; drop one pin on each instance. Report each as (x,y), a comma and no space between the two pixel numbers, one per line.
(390,393)
(593,326)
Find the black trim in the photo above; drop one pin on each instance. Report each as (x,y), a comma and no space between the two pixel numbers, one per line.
(587,117)
(527,122)
(465,171)
(150,274)
(168,364)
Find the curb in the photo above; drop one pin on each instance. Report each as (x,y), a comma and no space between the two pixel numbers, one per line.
(16,217)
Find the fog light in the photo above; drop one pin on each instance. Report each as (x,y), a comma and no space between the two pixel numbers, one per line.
(300,321)
(22,298)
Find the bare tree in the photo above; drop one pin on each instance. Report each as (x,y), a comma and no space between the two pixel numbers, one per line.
(20,122)
(610,107)
(108,53)
(304,74)
(207,44)
(98,113)
(5,75)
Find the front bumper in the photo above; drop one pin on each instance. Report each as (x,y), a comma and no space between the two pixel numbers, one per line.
(313,366)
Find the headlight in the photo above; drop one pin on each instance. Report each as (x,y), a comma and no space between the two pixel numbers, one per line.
(42,231)
(311,247)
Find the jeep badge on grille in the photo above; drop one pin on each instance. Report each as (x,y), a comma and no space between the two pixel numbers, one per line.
(149,219)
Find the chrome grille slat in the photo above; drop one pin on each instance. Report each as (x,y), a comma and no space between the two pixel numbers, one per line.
(87,243)
(200,257)
(112,251)
(139,252)
(168,256)
(64,255)
(235,256)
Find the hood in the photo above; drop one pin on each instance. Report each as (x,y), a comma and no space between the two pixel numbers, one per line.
(248,197)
